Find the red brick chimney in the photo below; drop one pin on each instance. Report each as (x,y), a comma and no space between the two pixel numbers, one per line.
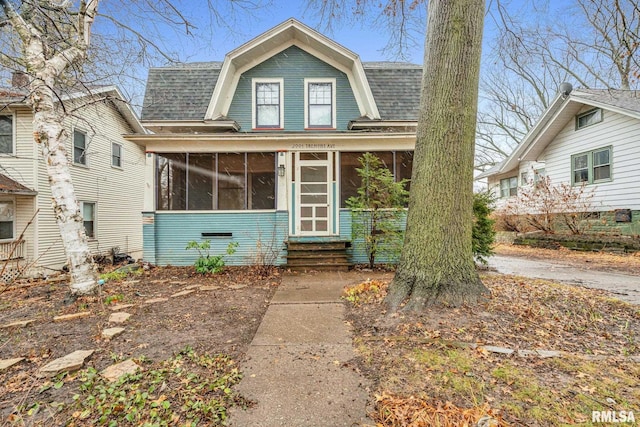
(19,79)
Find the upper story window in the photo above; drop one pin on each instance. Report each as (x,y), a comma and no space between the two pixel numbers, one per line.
(116,155)
(79,147)
(320,103)
(589,118)
(592,166)
(7,219)
(268,104)
(6,134)
(509,187)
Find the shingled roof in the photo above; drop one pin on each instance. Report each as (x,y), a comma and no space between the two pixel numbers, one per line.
(183,92)
(625,99)
(396,88)
(9,186)
(180,92)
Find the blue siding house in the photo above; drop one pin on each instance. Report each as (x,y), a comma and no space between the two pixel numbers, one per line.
(261,148)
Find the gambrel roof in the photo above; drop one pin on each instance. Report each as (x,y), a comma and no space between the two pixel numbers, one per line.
(202,92)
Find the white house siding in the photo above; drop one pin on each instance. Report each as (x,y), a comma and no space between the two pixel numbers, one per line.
(620,132)
(21,166)
(117,193)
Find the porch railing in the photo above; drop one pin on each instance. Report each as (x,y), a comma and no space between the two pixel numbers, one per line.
(12,250)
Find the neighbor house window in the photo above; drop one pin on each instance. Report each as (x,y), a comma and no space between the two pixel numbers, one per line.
(320,103)
(79,147)
(7,219)
(400,163)
(524,178)
(89,218)
(509,187)
(589,118)
(591,167)
(210,181)
(6,134)
(539,175)
(116,155)
(268,104)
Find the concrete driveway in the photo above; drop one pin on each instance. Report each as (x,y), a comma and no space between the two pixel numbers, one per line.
(625,286)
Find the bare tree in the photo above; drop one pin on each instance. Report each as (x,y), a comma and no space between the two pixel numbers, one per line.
(593,44)
(436,264)
(53,43)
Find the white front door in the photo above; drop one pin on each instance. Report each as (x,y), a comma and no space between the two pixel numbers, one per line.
(313,189)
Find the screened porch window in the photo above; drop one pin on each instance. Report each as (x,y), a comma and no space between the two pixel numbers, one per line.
(400,163)
(222,181)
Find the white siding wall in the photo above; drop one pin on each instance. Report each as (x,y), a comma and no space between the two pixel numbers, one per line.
(21,166)
(117,192)
(616,130)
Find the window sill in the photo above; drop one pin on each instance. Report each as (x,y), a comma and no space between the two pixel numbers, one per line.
(80,165)
(117,167)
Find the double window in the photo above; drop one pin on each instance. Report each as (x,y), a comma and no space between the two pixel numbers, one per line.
(267,101)
(6,134)
(209,181)
(509,186)
(7,219)
(591,167)
(79,147)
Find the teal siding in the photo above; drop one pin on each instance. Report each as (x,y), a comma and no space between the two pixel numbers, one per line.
(293,65)
(149,237)
(357,256)
(173,230)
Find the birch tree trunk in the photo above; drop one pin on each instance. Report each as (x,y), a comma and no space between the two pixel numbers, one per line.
(45,67)
(51,136)
(436,265)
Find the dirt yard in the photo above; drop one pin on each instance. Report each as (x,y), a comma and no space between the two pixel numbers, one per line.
(219,316)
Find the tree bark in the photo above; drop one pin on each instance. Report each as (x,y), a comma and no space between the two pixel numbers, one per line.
(50,136)
(436,265)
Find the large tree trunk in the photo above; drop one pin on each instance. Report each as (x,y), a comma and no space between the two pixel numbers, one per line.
(50,135)
(436,265)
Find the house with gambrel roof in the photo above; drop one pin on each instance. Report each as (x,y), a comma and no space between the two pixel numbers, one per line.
(586,137)
(261,148)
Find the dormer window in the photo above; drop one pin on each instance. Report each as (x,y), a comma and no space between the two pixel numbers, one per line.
(320,102)
(268,104)
(589,118)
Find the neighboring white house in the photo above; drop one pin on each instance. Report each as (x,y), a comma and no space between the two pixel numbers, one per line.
(586,135)
(107,172)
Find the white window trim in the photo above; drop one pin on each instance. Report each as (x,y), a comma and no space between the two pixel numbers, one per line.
(306,101)
(254,82)
(121,155)
(86,147)
(14,144)
(95,218)
(13,200)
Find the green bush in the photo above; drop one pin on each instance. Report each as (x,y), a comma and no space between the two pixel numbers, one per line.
(206,263)
(483,232)
(377,211)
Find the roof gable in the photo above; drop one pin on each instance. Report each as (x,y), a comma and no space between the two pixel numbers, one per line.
(289,33)
(561,110)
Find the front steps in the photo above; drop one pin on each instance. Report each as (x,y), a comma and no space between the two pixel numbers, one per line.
(320,255)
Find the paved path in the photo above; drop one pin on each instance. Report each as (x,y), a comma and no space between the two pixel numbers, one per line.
(295,368)
(624,286)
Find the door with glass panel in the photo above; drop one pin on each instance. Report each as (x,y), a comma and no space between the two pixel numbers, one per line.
(314,175)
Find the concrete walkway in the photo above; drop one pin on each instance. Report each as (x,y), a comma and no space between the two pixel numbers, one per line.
(625,287)
(296,364)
